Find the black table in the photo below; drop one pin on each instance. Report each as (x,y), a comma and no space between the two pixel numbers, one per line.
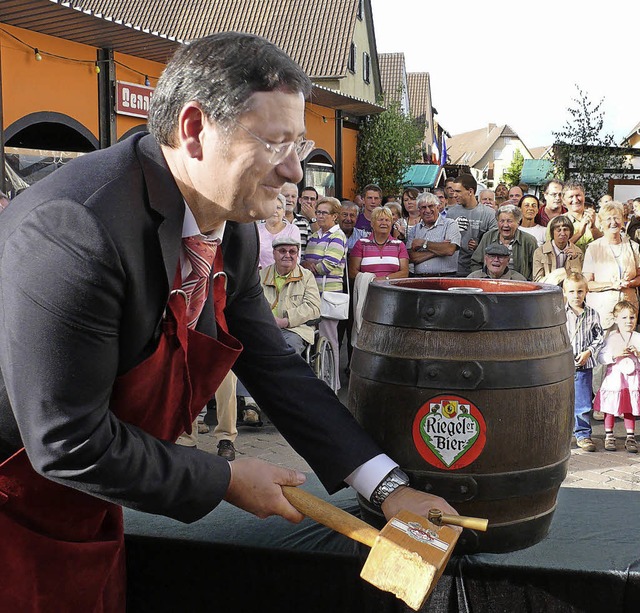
(232,561)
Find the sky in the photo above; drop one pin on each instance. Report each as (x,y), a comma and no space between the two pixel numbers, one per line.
(515,63)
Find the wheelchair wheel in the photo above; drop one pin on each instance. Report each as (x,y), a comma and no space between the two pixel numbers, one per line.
(324,363)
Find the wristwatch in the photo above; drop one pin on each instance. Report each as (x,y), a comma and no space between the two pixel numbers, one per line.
(425,246)
(313,220)
(395,479)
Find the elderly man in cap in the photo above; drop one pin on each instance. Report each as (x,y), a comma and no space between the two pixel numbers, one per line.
(292,293)
(496,265)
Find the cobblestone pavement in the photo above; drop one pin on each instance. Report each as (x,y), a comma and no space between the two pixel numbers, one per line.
(601,469)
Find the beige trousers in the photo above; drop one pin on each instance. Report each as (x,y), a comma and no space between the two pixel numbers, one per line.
(226,410)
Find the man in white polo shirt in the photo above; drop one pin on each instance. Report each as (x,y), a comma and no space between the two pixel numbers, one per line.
(434,242)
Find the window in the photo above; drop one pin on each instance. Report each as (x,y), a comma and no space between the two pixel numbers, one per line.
(360,13)
(351,62)
(366,67)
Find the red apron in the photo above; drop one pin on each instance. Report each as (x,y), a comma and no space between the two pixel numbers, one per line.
(62,550)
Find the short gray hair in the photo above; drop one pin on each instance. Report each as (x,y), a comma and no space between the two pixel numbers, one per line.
(428,198)
(510,209)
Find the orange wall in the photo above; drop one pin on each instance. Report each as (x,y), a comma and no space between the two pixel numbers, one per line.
(53,84)
(70,87)
(321,127)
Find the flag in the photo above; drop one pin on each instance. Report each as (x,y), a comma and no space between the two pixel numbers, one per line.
(443,157)
(435,153)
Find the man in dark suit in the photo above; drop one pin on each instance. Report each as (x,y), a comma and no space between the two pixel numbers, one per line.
(88,257)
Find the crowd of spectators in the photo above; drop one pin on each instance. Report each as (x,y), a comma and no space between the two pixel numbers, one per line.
(459,230)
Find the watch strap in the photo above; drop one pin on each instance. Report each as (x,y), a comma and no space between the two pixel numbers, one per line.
(395,479)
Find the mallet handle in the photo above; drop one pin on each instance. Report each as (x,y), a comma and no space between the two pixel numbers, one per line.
(330,516)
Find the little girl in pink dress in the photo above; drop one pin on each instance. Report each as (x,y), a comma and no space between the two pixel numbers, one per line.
(620,391)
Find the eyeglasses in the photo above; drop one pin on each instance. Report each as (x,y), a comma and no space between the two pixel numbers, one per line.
(292,251)
(318,213)
(281,151)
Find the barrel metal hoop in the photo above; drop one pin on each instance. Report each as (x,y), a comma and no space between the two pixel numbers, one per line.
(462,374)
(495,486)
(437,310)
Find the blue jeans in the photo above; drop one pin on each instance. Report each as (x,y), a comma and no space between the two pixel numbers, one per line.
(582,383)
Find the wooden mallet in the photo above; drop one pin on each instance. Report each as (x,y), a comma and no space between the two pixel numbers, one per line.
(407,556)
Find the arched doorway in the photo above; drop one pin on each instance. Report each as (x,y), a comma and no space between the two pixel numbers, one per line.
(320,172)
(39,143)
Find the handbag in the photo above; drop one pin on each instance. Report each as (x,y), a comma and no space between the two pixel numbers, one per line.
(334,305)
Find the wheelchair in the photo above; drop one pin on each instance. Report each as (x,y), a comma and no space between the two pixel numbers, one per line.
(319,355)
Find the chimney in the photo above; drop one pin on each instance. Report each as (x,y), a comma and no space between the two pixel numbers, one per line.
(490,127)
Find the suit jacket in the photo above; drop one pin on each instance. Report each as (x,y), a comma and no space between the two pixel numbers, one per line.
(87,259)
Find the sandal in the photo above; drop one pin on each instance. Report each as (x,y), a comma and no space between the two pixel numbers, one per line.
(609,443)
(631,444)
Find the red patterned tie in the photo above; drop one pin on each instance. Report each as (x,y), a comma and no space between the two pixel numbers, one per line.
(201,254)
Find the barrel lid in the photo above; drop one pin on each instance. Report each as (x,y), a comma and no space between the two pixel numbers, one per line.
(429,303)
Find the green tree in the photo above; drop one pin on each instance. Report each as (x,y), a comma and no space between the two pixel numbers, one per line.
(582,152)
(511,175)
(388,144)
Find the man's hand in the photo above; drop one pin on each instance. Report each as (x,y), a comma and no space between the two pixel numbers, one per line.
(308,210)
(473,244)
(417,502)
(282,322)
(255,486)
(417,243)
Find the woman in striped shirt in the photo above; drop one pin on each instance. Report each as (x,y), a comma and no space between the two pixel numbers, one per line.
(386,257)
(325,256)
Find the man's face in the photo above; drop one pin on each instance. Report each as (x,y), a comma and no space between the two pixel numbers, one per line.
(372,199)
(308,196)
(290,193)
(488,198)
(448,190)
(507,225)
(226,173)
(496,264)
(502,191)
(285,257)
(463,196)
(574,200)
(428,212)
(347,219)
(553,197)
(515,193)
(443,201)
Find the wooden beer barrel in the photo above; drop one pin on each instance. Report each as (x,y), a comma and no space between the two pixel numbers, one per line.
(468,385)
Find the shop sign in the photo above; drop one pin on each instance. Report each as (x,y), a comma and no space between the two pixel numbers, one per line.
(133,99)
